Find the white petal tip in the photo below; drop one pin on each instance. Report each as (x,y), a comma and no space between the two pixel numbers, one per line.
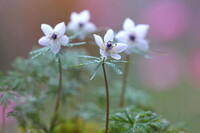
(128,19)
(109,35)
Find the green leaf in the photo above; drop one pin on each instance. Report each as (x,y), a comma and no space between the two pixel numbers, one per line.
(149,128)
(75,35)
(38,52)
(89,57)
(96,69)
(141,128)
(87,63)
(5,98)
(128,117)
(74,44)
(138,122)
(114,67)
(118,61)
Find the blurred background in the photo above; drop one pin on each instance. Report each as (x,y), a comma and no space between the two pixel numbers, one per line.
(172,77)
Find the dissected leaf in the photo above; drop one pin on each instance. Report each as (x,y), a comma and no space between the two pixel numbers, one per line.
(74,44)
(118,61)
(74,36)
(87,63)
(96,69)
(138,122)
(114,67)
(5,98)
(89,57)
(38,52)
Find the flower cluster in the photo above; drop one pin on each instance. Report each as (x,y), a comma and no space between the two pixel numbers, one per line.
(131,37)
(28,105)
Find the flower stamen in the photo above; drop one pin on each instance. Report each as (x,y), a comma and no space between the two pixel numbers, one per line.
(54,36)
(81,25)
(109,46)
(132,37)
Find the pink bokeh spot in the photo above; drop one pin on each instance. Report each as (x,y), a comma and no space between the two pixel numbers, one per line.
(8,109)
(196,28)
(168,19)
(161,72)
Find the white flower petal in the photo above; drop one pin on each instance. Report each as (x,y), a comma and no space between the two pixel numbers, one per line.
(47,29)
(64,40)
(141,30)
(109,35)
(60,28)
(142,45)
(84,16)
(128,24)
(90,27)
(115,56)
(98,40)
(72,26)
(74,16)
(120,47)
(55,48)
(122,37)
(44,41)
(103,53)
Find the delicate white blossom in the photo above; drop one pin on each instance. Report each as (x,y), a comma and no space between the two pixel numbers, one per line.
(81,23)
(133,35)
(107,47)
(54,37)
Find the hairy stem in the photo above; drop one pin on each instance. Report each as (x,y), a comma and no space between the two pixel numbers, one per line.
(59,91)
(3,120)
(124,81)
(107,98)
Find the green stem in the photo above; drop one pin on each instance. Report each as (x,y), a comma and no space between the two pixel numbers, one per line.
(59,86)
(124,81)
(107,97)
(57,106)
(3,120)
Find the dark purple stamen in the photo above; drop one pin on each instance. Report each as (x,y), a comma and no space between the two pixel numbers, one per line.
(132,37)
(109,45)
(54,36)
(81,25)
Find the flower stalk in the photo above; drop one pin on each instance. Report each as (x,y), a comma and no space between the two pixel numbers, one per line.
(124,81)
(59,85)
(59,91)
(108,49)
(107,97)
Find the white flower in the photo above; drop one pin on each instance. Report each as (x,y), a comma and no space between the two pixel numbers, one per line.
(54,37)
(107,48)
(133,35)
(80,23)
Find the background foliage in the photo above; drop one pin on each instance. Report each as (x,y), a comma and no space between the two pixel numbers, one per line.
(32,85)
